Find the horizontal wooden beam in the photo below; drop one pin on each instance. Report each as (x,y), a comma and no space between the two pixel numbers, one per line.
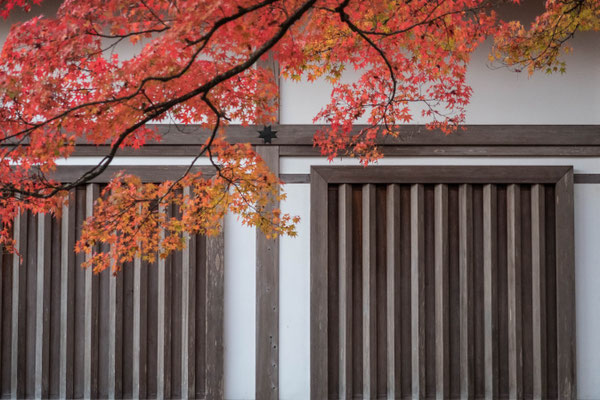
(415,140)
(159,173)
(442,174)
(407,135)
(448,150)
(150,173)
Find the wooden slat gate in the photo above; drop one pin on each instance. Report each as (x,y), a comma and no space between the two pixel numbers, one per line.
(153,331)
(442,282)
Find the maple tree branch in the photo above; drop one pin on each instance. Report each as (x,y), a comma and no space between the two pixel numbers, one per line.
(204,39)
(160,108)
(126,35)
(346,19)
(153,13)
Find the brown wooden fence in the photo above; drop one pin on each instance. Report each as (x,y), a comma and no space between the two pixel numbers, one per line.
(153,331)
(442,282)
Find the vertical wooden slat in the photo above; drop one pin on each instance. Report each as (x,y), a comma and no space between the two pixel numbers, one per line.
(369,297)
(538,290)
(318,288)
(394,365)
(140,292)
(17,368)
(163,356)
(267,298)
(188,315)
(215,267)
(465,228)
(67,297)
(90,346)
(565,288)
(42,313)
(490,266)
(345,285)
(515,353)
(417,289)
(115,335)
(90,356)
(442,324)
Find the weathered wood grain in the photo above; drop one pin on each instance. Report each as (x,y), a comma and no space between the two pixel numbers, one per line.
(515,351)
(442,331)
(17,364)
(490,276)
(449,174)
(188,315)
(115,336)
(393,308)
(215,270)
(140,327)
(42,312)
(90,362)
(345,287)
(267,298)
(67,297)
(538,290)
(417,224)
(163,356)
(565,287)
(369,298)
(319,386)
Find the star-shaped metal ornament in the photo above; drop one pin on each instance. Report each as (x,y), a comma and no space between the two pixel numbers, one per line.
(267,134)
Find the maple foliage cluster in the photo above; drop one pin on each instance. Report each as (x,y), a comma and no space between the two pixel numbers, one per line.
(62,82)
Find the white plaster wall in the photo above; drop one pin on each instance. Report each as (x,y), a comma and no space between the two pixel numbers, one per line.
(240,309)
(587,281)
(499,95)
(294,296)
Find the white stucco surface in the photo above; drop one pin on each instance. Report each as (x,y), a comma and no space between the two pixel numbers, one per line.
(587,281)
(301,165)
(499,95)
(294,295)
(240,309)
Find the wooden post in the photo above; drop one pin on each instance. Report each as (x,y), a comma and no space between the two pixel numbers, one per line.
(565,288)
(319,385)
(267,299)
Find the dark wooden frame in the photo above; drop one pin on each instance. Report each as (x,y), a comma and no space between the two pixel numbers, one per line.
(560,176)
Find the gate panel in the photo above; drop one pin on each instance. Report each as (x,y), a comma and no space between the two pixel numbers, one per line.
(442,283)
(154,330)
